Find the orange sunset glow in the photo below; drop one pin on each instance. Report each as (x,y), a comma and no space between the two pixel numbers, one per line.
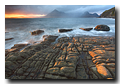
(24,15)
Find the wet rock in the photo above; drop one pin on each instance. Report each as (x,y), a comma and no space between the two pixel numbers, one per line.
(8,39)
(93,54)
(63,39)
(19,45)
(112,70)
(50,38)
(70,45)
(7,51)
(99,51)
(98,61)
(81,74)
(58,45)
(54,76)
(79,49)
(75,39)
(71,52)
(53,70)
(72,58)
(68,71)
(15,48)
(85,50)
(81,40)
(110,53)
(103,71)
(60,64)
(63,60)
(102,28)
(110,65)
(11,65)
(64,45)
(94,70)
(86,29)
(36,32)
(64,30)
(15,57)
(110,49)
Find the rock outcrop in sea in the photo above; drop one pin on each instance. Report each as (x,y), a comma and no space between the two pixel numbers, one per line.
(102,28)
(86,29)
(8,39)
(64,30)
(82,57)
(36,32)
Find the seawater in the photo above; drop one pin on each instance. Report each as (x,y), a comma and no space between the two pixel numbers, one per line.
(20,29)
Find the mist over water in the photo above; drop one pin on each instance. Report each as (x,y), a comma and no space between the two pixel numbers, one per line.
(19,29)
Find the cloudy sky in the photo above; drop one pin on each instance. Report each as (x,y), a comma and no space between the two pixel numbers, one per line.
(45,9)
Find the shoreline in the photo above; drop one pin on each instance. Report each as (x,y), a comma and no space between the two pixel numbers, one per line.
(39,41)
(80,57)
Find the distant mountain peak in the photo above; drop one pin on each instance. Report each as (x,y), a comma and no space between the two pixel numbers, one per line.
(55,10)
(86,12)
(55,14)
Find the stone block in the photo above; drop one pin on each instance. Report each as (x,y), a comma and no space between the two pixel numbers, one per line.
(72,59)
(61,58)
(100,51)
(54,76)
(68,72)
(79,49)
(81,74)
(67,69)
(93,54)
(54,70)
(76,39)
(94,70)
(60,64)
(70,45)
(103,71)
(81,40)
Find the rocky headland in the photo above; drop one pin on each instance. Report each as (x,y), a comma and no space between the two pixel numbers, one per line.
(82,57)
(108,13)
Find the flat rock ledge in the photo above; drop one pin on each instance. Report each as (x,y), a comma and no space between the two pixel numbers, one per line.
(84,57)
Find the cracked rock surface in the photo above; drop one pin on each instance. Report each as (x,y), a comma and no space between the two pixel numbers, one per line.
(83,57)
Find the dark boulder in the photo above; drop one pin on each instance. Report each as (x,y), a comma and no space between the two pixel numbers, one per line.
(37,32)
(86,29)
(64,30)
(102,28)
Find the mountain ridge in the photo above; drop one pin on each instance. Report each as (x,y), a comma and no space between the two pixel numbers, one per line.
(58,14)
(87,14)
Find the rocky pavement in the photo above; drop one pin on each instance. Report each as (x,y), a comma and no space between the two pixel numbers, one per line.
(83,57)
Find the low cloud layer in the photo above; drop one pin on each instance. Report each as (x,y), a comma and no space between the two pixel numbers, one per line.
(45,9)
